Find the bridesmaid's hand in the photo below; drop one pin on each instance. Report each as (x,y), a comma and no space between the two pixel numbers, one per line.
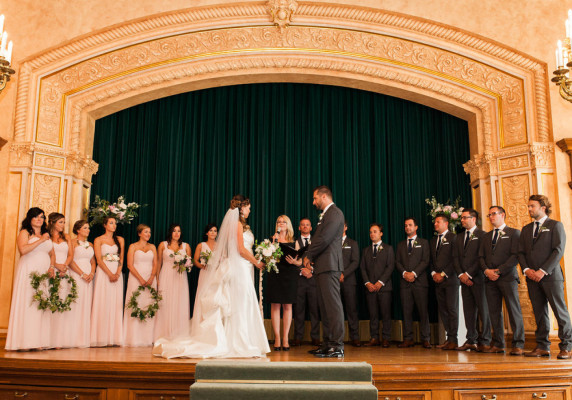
(260,265)
(44,237)
(90,278)
(51,271)
(113,278)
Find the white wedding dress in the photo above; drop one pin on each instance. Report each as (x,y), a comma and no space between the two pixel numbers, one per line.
(226,319)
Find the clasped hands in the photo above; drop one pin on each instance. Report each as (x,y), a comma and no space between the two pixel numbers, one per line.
(533,275)
(374,287)
(306,271)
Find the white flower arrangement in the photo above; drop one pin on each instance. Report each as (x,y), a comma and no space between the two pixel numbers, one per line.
(123,212)
(270,253)
(452,211)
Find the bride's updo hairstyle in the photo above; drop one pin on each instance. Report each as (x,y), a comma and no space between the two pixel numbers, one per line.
(239,201)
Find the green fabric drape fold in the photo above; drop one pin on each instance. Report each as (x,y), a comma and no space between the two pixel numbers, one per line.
(186,155)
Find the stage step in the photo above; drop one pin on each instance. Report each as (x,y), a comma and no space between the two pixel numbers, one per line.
(255,380)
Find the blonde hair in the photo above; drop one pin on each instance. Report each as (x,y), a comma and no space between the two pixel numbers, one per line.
(289,230)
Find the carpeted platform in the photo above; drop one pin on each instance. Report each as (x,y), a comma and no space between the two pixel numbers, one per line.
(288,380)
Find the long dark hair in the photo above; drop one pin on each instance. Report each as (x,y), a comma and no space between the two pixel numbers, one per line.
(53,218)
(239,201)
(105,220)
(169,237)
(207,229)
(27,222)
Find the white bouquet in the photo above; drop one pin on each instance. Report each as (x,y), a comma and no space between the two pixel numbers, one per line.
(113,257)
(182,261)
(270,253)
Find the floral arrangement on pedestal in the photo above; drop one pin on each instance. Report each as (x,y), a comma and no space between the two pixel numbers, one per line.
(122,211)
(453,211)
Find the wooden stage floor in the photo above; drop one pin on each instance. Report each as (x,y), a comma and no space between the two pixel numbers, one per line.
(434,371)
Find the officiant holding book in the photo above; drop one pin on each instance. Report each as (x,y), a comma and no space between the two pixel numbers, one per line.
(281,287)
(324,260)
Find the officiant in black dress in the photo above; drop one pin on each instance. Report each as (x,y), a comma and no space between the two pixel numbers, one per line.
(281,287)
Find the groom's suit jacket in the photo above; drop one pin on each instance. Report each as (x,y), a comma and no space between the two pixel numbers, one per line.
(325,250)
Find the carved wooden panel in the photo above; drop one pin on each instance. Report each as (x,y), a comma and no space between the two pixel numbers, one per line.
(46,192)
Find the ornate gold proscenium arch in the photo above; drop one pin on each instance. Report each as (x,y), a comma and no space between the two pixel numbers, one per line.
(502,93)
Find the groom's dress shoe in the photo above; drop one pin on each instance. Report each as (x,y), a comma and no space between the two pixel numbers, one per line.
(332,352)
(319,350)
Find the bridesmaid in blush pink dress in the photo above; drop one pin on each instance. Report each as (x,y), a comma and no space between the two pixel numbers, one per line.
(106,325)
(83,271)
(174,313)
(56,224)
(29,328)
(142,264)
(206,247)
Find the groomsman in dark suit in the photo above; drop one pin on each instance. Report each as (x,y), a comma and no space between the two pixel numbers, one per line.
(377,263)
(350,252)
(324,260)
(412,260)
(468,268)
(446,280)
(499,256)
(541,248)
(306,297)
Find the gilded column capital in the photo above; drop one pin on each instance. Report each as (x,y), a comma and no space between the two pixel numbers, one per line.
(81,167)
(21,154)
(542,155)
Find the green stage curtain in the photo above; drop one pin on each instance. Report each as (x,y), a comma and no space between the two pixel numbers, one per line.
(185,156)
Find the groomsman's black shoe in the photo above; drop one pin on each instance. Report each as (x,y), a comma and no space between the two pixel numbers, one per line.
(332,352)
(319,350)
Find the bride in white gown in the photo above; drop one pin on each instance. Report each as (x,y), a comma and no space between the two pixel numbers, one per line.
(226,319)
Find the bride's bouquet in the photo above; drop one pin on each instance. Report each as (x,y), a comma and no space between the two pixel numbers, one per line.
(270,253)
(183,262)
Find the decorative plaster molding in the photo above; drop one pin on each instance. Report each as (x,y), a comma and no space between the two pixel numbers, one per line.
(229,46)
(282,11)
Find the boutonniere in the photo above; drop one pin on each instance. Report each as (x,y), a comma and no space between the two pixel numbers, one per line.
(444,240)
(415,243)
(543,229)
(502,233)
(472,236)
(83,244)
(320,217)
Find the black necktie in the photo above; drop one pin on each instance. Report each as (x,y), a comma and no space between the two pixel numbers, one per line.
(306,240)
(495,237)
(536,228)
(409,245)
(374,250)
(467,235)
(439,242)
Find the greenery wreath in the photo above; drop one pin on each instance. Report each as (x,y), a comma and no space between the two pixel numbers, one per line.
(47,292)
(150,310)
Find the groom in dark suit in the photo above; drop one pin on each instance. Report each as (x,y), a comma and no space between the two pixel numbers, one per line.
(324,260)
(541,248)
